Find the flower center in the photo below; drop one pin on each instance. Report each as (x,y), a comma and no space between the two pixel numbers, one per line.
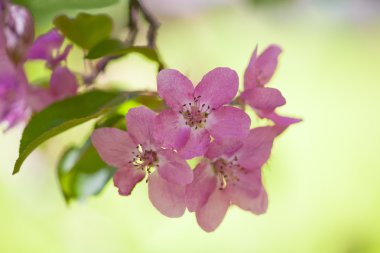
(227,172)
(195,113)
(144,159)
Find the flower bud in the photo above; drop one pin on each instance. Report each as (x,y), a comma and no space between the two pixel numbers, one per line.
(18,30)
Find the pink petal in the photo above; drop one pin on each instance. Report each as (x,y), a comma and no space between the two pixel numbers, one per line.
(63,83)
(257,147)
(173,168)
(39,98)
(167,197)
(264,99)
(175,88)
(228,122)
(54,62)
(196,145)
(170,130)
(114,146)
(140,123)
(14,106)
(227,146)
(257,205)
(281,122)
(204,183)
(218,87)
(261,69)
(44,45)
(248,183)
(212,213)
(126,179)
(249,74)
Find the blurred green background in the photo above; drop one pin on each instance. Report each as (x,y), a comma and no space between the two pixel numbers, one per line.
(323,177)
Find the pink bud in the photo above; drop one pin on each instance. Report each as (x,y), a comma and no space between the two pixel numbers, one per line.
(18,31)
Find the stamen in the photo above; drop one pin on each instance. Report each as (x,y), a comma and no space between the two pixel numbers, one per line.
(195,114)
(226,172)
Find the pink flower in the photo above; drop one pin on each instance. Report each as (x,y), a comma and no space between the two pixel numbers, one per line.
(196,113)
(230,174)
(13,83)
(136,153)
(47,46)
(262,99)
(63,84)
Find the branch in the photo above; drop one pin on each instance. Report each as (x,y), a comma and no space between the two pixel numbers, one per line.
(134,6)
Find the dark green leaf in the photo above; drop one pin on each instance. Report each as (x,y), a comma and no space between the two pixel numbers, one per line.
(63,115)
(82,173)
(85,30)
(115,47)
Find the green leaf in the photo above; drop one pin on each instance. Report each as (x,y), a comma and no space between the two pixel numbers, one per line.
(63,115)
(41,6)
(85,30)
(114,119)
(82,173)
(115,47)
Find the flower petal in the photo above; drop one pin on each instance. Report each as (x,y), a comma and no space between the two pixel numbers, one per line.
(39,98)
(264,99)
(196,145)
(45,44)
(204,183)
(227,146)
(249,183)
(218,87)
(212,213)
(257,147)
(173,168)
(170,130)
(140,123)
(281,122)
(114,146)
(63,83)
(126,179)
(261,69)
(54,62)
(249,74)
(167,197)
(257,205)
(175,88)
(228,122)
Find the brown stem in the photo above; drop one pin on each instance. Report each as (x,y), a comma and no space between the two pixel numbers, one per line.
(153,25)
(134,7)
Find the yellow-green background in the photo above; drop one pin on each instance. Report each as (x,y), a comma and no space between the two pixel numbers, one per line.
(323,178)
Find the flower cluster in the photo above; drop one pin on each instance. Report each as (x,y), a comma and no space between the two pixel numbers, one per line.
(200,122)
(18,98)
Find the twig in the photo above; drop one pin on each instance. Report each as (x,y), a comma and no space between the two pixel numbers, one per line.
(133,9)
(153,25)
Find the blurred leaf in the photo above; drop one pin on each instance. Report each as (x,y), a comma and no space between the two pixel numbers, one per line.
(85,30)
(114,119)
(115,47)
(82,173)
(63,115)
(57,5)
(152,102)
